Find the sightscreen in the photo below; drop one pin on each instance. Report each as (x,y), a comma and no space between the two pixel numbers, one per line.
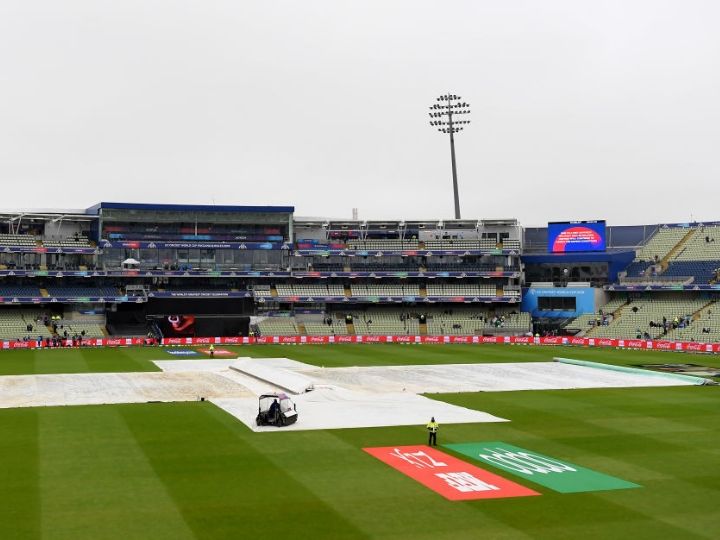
(574,236)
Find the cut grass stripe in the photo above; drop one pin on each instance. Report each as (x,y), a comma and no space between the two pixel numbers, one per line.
(224,486)
(96,482)
(19,489)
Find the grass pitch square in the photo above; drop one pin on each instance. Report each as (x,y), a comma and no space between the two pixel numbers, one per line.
(191,471)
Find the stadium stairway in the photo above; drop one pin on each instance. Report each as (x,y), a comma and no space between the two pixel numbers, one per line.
(499,291)
(348,294)
(350,329)
(423,291)
(301,328)
(423,328)
(273,291)
(615,315)
(665,261)
(696,316)
(44,293)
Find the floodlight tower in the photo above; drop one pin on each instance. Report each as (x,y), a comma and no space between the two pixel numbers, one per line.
(442,117)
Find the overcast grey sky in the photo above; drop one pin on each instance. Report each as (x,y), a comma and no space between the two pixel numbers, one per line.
(580,109)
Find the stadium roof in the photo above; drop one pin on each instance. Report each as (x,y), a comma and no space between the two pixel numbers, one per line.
(189,208)
(45,213)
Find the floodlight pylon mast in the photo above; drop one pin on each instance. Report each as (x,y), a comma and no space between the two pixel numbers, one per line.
(450,105)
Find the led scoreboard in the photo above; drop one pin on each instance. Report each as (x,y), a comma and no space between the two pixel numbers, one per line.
(574,236)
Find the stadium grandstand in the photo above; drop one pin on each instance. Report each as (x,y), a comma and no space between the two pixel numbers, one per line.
(126,269)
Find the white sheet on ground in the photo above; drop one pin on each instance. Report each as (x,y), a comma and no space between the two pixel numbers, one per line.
(286,379)
(335,408)
(101,388)
(343,397)
(481,377)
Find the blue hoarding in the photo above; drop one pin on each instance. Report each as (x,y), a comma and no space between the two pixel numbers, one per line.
(573,236)
(583,298)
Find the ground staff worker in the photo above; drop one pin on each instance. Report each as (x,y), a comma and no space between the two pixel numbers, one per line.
(212,350)
(432,428)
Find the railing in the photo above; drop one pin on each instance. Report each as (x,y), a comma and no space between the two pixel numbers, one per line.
(658,280)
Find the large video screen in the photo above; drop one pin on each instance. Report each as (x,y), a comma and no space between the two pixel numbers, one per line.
(573,236)
(178,325)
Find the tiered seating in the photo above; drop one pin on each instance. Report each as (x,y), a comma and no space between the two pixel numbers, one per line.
(704,245)
(511,244)
(709,319)
(385,323)
(262,291)
(384,290)
(468,321)
(434,289)
(91,330)
(379,267)
(76,323)
(583,322)
(612,305)
(661,243)
(510,290)
(278,326)
(702,271)
(320,289)
(481,244)
(512,320)
(385,244)
(337,328)
(651,308)
(7,291)
(328,267)
(467,267)
(590,320)
(71,242)
(13,325)
(638,268)
(75,291)
(455,326)
(20,240)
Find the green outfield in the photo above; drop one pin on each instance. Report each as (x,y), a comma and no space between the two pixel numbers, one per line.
(189,470)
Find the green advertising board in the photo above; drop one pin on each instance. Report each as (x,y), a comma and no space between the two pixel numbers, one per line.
(552,473)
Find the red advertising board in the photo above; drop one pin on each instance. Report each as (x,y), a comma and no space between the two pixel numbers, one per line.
(238,340)
(452,478)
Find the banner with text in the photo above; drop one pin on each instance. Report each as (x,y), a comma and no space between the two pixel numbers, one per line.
(452,478)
